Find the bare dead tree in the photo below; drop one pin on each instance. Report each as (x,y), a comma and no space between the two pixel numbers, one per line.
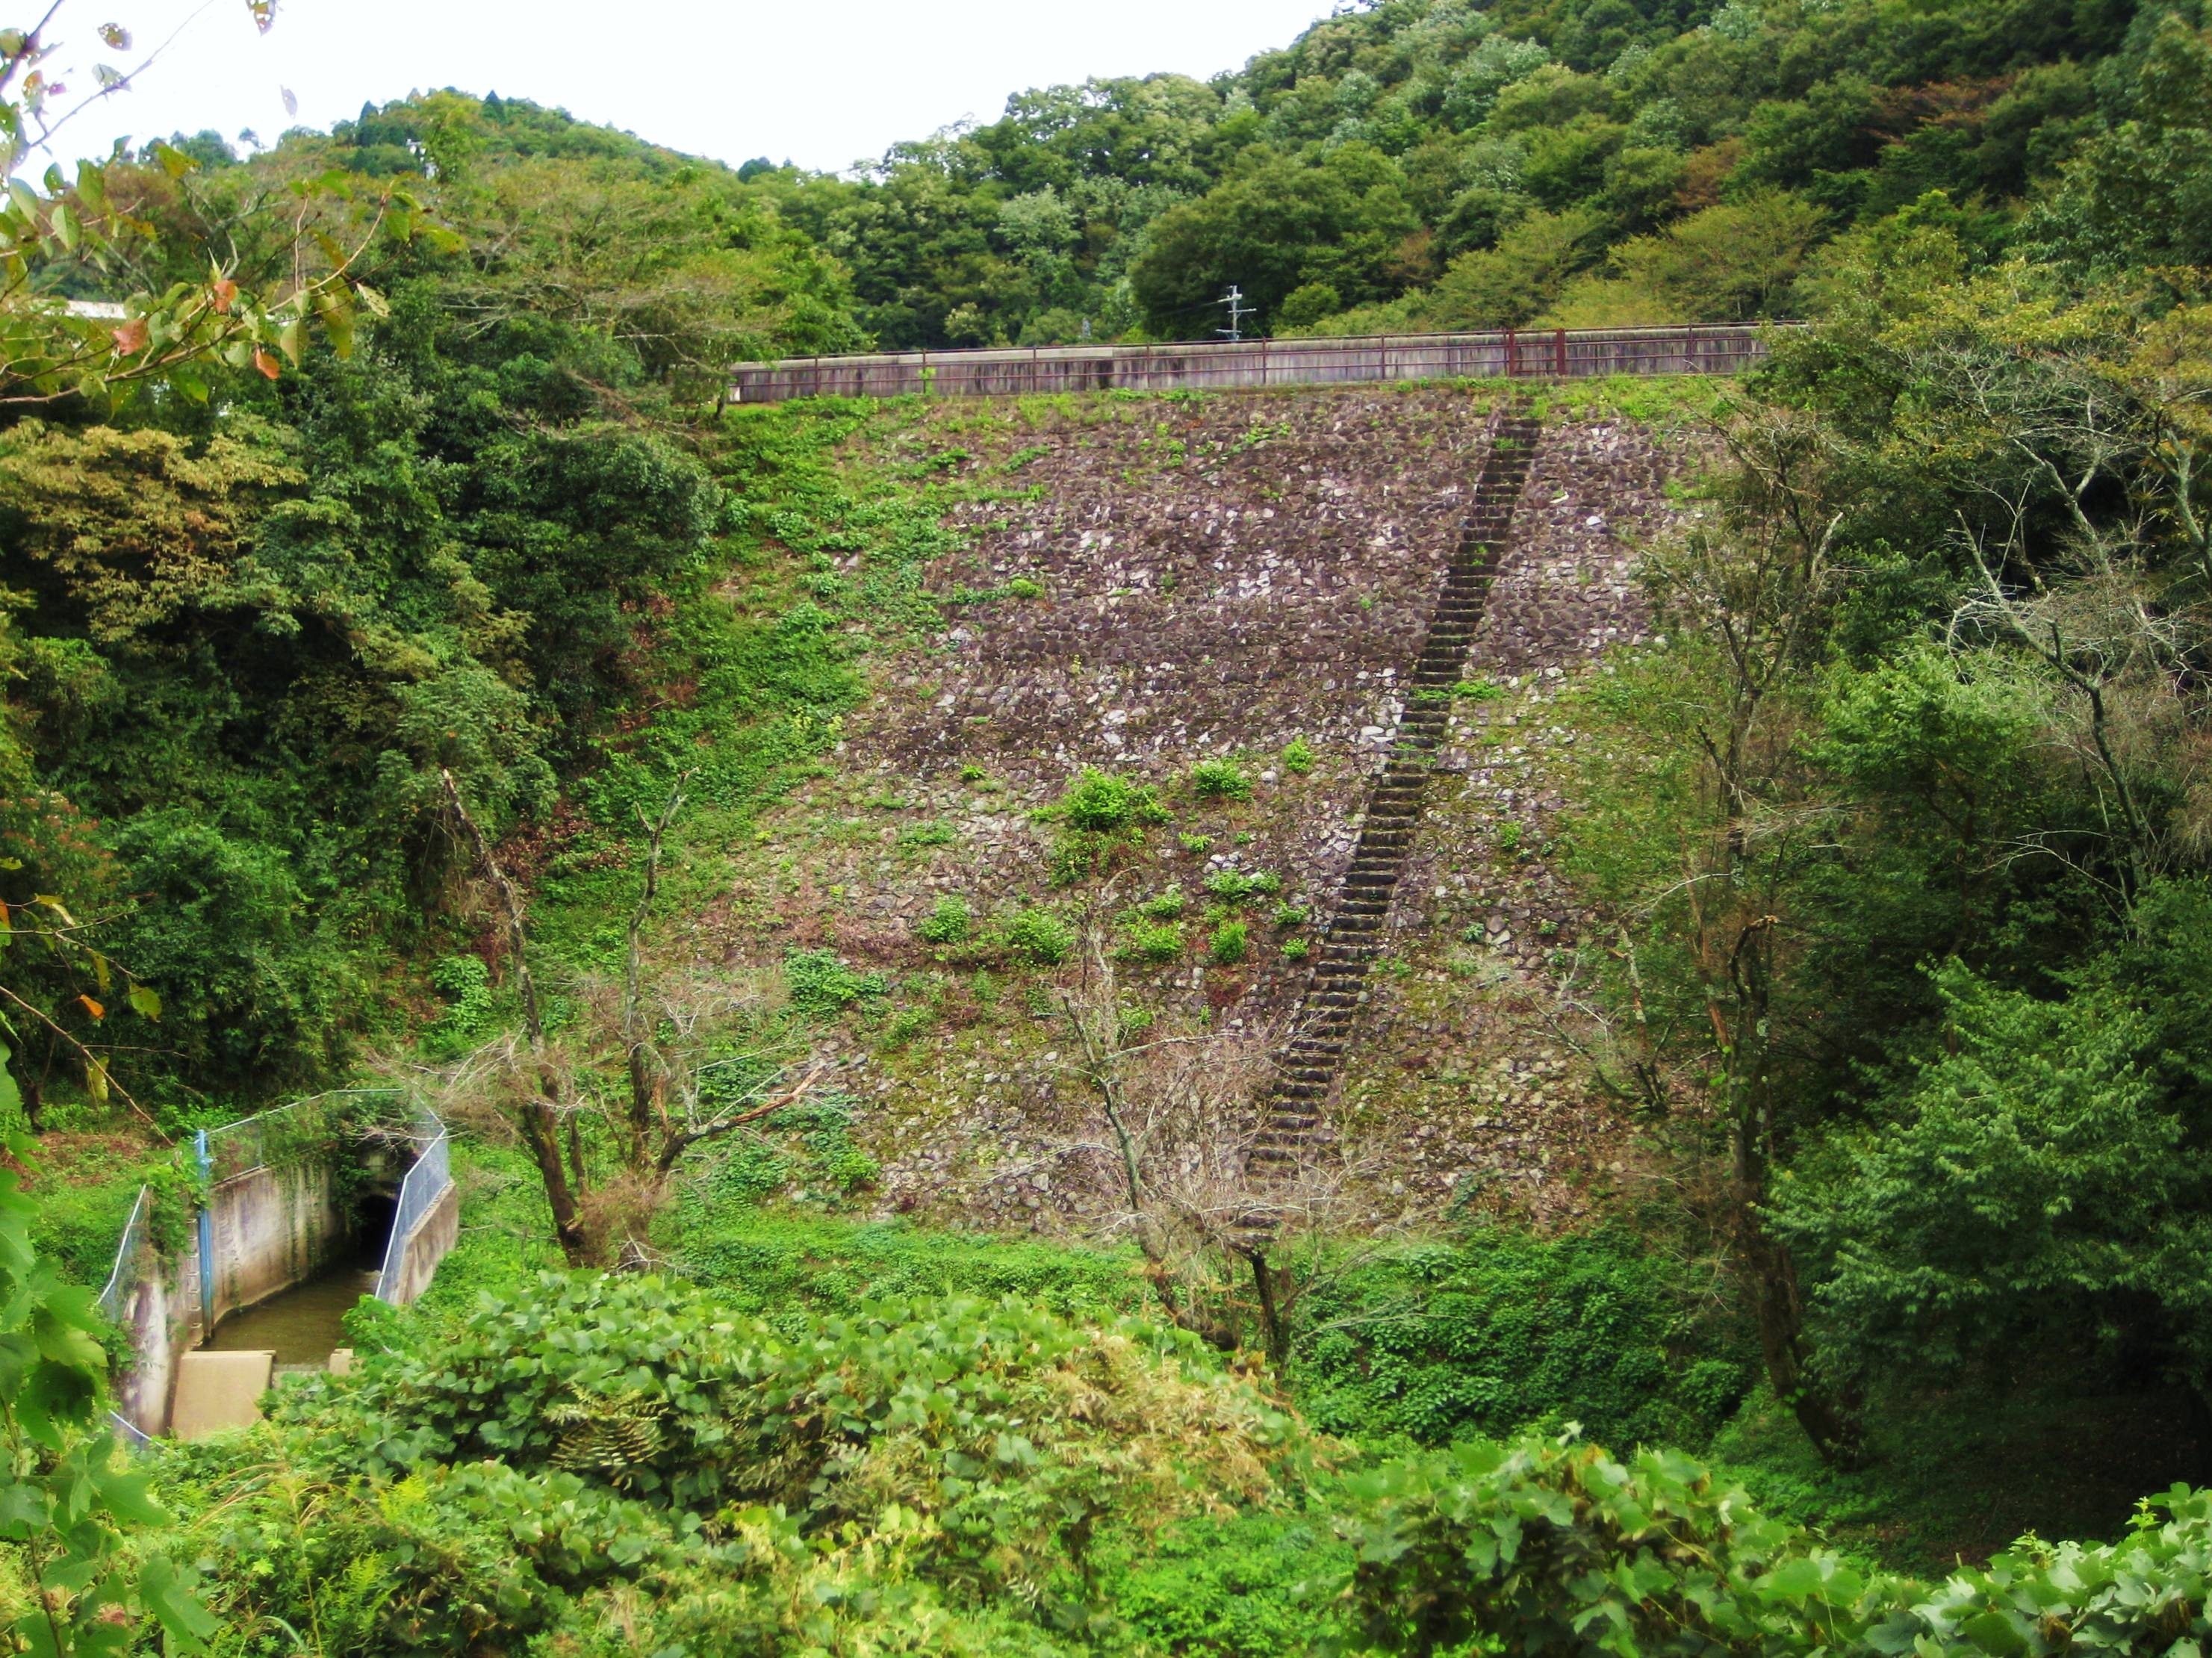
(1180,1112)
(538,1114)
(645,1104)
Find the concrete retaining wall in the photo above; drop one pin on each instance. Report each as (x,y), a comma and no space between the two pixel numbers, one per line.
(434,1235)
(159,1311)
(273,1228)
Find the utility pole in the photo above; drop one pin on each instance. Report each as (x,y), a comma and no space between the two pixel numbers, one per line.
(1238,312)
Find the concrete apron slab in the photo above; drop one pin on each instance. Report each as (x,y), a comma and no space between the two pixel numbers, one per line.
(217,1390)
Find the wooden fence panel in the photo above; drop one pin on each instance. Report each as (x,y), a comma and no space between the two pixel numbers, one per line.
(1224,365)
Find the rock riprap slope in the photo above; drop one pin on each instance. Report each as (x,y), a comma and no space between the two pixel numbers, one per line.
(1168,582)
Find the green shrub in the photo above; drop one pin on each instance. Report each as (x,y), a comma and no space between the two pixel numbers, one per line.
(1041,936)
(1168,906)
(834,1165)
(1230,942)
(1297,757)
(1297,949)
(1240,1586)
(1023,587)
(906,1024)
(1196,844)
(582,1427)
(1109,804)
(465,983)
(822,986)
(1229,885)
(1160,942)
(1219,780)
(949,923)
(1099,814)
(1292,915)
(1549,1546)
(1265,882)
(1545,1545)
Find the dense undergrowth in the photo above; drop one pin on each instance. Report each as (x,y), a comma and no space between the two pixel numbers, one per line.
(891,1440)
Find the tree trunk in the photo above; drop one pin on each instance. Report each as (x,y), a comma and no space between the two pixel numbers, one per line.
(540,1127)
(1269,1282)
(1829,1416)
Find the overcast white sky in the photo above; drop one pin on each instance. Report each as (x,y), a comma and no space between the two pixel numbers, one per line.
(824,82)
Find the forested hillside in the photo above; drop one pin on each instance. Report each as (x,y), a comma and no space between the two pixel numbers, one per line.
(1435,164)
(847,871)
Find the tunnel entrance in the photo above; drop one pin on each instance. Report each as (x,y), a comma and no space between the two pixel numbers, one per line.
(373,1211)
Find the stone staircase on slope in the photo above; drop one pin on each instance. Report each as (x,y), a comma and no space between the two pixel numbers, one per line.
(1309,1068)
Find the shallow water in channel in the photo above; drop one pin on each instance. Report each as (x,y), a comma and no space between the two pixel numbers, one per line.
(300,1324)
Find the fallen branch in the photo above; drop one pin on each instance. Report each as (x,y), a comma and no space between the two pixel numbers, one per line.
(682,1143)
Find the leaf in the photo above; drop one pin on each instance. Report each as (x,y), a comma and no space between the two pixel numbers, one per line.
(226,295)
(1994,1633)
(11,1096)
(372,301)
(189,382)
(264,13)
(130,338)
(291,338)
(1794,1580)
(168,1592)
(100,975)
(95,1009)
(174,161)
(268,365)
(95,1080)
(144,1002)
(127,1497)
(291,102)
(118,38)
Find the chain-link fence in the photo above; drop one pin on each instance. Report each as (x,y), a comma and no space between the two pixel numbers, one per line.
(134,1295)
(425,1183)
(256,1142)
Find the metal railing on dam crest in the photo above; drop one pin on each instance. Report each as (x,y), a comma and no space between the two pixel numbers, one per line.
(1234,365)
